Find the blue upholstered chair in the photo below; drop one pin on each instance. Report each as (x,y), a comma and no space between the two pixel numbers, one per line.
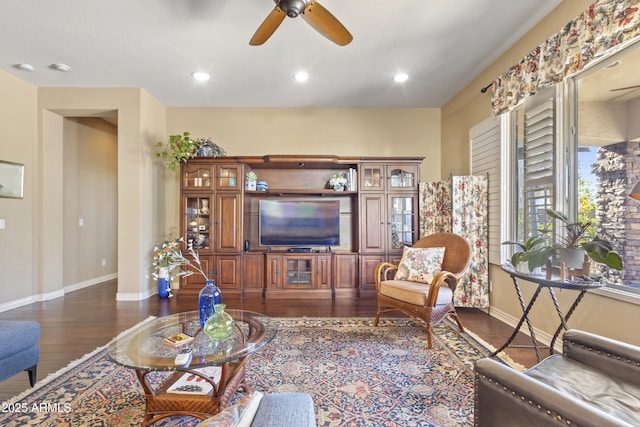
(19,350)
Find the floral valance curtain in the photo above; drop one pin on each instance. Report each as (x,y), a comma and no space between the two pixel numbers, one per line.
(605,25)
(459,205)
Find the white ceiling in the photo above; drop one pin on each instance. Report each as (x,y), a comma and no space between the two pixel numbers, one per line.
(156,45)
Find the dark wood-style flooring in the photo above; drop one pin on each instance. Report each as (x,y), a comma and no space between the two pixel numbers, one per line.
(83,320)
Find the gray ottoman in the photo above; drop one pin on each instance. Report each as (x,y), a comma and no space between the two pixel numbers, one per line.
(273,410)
(285,410)
(19,350)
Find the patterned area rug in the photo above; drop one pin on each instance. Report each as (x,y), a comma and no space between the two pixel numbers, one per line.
(358,375)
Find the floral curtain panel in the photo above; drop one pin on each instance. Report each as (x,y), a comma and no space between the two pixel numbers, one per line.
(605,25)
(459,205)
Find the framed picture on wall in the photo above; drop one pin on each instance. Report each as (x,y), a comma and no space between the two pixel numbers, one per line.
(11,179)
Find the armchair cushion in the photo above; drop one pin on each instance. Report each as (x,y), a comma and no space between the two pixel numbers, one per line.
(420,264)
(413,292)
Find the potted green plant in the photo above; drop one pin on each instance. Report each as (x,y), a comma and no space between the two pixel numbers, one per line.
(533,253)
(251,180)
(578,238)
(178,149)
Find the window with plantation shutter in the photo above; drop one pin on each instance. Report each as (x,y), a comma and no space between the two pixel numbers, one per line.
(486,141)
(538,161)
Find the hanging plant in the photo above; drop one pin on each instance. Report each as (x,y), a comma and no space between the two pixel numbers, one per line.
(178,149)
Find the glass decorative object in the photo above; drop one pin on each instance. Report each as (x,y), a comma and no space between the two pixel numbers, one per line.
(210,295)
(220,325)
(164,289)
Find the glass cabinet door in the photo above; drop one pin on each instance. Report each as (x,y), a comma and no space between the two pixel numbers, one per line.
(298,272)
(372,177)
(402,178)
(228,177)
(197,221)
(402,216)
(197,177)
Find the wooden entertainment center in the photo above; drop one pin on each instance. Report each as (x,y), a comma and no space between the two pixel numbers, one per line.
(378,215)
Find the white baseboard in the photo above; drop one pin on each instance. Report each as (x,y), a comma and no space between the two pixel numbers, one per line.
(135,296)
(90,282)
(55,294)
(17,303)
(541,336)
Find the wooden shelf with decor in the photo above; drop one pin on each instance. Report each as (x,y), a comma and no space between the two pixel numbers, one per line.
(347,232)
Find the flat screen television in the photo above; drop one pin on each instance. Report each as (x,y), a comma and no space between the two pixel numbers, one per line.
(297,223)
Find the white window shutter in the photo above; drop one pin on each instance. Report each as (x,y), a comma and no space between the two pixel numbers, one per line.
(539,176)
(486,156)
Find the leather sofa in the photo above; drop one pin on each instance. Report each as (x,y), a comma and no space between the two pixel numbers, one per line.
(594,382)
(19,350)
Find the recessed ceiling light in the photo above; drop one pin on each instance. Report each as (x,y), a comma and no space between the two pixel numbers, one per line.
(24,67)
(301,76)
(200,76)
(61,67)
(400,77)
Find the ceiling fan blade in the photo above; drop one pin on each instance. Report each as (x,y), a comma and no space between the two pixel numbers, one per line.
(326,24)
(625,88)
(268,27)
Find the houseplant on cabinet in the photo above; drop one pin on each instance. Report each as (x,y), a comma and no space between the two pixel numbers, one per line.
(208,148)
(178,149)
(251,180)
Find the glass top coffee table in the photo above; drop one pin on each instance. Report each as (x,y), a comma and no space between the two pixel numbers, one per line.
(144,350)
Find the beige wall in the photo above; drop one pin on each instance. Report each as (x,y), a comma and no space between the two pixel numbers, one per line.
(18,122)
(339,131)
(90,192)
(469,107)
(141,122)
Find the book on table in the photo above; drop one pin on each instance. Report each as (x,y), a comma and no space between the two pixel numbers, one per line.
(190,383)
(178,340)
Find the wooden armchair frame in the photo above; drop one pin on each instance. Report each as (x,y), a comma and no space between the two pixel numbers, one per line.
(456,259)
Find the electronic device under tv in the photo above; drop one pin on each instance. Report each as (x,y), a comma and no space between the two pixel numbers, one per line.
(298,223)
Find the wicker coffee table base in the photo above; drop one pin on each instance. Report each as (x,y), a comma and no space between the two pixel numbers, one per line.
(160,404)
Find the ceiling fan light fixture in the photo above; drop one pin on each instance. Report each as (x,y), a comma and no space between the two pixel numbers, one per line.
(400,77)
(301,76)
(200,76)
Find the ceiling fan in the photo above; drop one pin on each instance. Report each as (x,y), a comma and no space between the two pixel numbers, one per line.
(312,12)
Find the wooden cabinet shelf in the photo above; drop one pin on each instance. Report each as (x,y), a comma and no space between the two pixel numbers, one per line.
(377,217)
(304,192)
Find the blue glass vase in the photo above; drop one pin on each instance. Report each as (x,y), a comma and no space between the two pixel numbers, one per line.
(209,296)
(164,289)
